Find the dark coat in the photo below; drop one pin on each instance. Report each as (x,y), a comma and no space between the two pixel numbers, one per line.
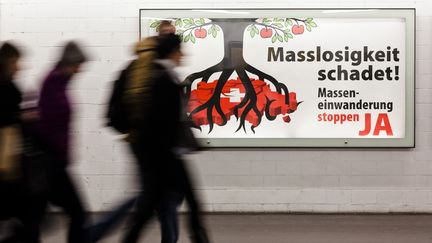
(10,99)
(161,123)
(157,138)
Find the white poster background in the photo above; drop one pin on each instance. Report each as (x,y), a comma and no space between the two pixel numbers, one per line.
(331,34)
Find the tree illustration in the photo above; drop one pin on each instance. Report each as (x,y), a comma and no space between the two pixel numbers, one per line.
(252,107)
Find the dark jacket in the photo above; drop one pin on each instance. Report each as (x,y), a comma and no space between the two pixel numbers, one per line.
(55,115)
(10,99)
(162,118)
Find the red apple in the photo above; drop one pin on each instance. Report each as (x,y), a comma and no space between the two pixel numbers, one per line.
(297,29)
(200,33)
(266,33)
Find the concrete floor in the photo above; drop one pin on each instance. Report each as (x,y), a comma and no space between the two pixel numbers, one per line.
(284,228)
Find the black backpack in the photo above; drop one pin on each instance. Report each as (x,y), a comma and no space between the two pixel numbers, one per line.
(117,112)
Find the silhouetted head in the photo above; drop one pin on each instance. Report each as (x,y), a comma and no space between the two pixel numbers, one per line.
(72,57)
(9,57)
(169,47)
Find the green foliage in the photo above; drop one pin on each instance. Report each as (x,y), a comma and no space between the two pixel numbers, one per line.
(185,28)
(253,30)
(281,27)
(213,30)
(309,23)
(155,24)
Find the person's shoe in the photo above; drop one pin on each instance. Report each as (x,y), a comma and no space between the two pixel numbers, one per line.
(200,236)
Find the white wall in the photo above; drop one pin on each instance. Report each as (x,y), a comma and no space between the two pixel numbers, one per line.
(311,180)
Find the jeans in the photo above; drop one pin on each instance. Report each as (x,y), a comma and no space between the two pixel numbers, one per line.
(167,214)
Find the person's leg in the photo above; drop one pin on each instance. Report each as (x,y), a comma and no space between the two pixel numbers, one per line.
(63,194)
(167,214)
(108,221)
(31,218)
(151,186)
(196,226)
(145,207)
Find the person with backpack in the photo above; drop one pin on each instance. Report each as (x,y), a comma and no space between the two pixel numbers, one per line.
(118,118)
(155,97)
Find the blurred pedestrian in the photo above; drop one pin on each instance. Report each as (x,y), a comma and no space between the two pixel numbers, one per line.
(196,224)
(55,113)
(18,200)
(10,136)
(152,139)
(10,99)
(155,142)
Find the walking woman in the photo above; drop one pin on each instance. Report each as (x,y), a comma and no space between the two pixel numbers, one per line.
(55,113)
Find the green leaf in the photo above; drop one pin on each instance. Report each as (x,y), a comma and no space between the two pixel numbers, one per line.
(155,24)
(313,24)
(308,20)
(290,22)
(280,38)
(179,32)
(286,37)
(181,37)
(278,20)
(192,38)
(278,25)
(290,36)
(178,22)
(199,21)
(274,39)
(266,21)
(214,34)
(186,39)
(308,27)
(252,33)
(188,21)
(217,27)
(256,29)
(249,28)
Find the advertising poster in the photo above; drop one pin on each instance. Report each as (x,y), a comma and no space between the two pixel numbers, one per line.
(304,78)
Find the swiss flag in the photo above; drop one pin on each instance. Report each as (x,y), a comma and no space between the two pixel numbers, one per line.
(232,94)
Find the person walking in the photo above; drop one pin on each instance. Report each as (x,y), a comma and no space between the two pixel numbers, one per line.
(55,113)
(154,139)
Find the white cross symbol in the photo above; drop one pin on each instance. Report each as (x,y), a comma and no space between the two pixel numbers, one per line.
(234,95)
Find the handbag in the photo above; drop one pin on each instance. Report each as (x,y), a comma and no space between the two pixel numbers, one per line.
(10,150)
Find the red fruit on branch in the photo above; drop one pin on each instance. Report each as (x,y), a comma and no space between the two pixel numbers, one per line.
(297,29)
(266,33)
(200,33)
